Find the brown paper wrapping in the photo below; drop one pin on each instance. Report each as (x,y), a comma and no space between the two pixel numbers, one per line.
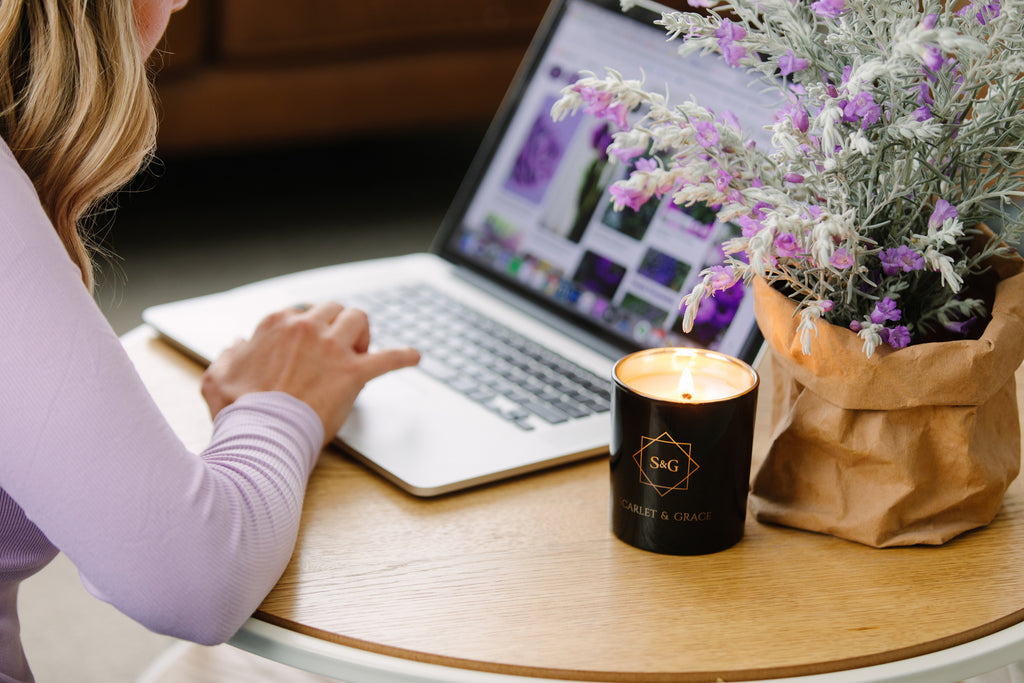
(907,447)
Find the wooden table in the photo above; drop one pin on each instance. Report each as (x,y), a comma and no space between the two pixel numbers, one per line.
(525,578)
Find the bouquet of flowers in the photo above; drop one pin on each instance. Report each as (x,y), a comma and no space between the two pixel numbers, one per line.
(900,130)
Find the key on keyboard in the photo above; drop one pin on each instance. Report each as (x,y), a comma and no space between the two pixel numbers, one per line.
(482,359)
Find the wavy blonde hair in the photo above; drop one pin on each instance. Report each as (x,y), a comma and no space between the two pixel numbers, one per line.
(76,107)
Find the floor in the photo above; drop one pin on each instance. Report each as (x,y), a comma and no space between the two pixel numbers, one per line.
(202,224)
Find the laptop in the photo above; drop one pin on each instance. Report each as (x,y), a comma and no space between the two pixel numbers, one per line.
(536,280)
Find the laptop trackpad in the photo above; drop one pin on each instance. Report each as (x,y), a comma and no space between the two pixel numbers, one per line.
(391,414)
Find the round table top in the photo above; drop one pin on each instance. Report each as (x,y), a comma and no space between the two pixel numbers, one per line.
(524,577)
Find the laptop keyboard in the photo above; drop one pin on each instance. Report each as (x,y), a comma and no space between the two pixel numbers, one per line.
(484,360)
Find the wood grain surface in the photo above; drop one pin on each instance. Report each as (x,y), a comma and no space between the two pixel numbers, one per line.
(525,577)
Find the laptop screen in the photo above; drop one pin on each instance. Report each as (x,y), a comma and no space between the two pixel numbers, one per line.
(535,211)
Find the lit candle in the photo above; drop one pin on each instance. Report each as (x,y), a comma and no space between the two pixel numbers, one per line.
(682,432)
(687,375)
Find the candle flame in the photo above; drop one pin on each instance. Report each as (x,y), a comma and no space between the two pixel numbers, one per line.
(686,384)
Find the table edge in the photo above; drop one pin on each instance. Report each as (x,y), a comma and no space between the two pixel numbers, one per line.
(358,665)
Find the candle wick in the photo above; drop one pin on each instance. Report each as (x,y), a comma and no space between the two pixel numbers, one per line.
(688,396)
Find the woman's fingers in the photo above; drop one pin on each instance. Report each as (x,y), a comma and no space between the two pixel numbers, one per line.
(325,312)
(319,354)
(380,362)
(353,329)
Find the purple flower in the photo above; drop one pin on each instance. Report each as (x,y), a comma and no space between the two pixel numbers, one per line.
(731,120)
(729,32)
(922,113)
(800,119)
(862,107)
(928,23)
(790,63)
(627,196)
(787,246)
(933,58)
(885,310)
(924,95)
(705,133)
(794,178)
(856,326)
(943,211)
(797,114)
(626,154)
(602,105)
(828,8)
(733,53)
(646,165)
(723,180)
(593,97)
(987,12)
(841,259)
(722,277)
(902,258)
(617,115)
(899,337)
(749,226)
(961,327)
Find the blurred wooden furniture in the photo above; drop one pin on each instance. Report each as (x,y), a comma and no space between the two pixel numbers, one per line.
(524,578)
(251,73)
(255,72)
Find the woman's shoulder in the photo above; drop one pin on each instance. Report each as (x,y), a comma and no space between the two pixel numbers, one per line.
(22,217)
(18,200)
(13,179)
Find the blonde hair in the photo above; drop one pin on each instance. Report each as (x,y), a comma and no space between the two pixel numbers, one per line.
(76,107)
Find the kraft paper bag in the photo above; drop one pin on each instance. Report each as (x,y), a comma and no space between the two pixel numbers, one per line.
(908,447)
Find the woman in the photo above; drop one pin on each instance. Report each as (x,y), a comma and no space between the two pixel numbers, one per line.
(187,545)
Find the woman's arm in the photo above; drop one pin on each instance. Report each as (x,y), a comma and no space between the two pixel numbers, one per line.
(187,545)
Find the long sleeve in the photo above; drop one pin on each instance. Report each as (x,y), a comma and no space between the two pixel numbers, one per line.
(186,544)
(211,541)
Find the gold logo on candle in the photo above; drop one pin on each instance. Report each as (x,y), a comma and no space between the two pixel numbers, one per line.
(666,462)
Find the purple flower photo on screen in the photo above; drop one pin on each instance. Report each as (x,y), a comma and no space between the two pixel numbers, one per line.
(643,309)
(714,315)
(696,219)
(599,274)
(631,223)
(664,269)
(540,154)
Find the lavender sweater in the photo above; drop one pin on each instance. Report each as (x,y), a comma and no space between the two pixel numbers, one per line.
(188,545)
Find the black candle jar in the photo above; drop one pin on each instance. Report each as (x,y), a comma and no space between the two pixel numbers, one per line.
(680,454)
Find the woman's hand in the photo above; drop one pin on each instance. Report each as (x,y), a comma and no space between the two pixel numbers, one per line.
(318,355)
